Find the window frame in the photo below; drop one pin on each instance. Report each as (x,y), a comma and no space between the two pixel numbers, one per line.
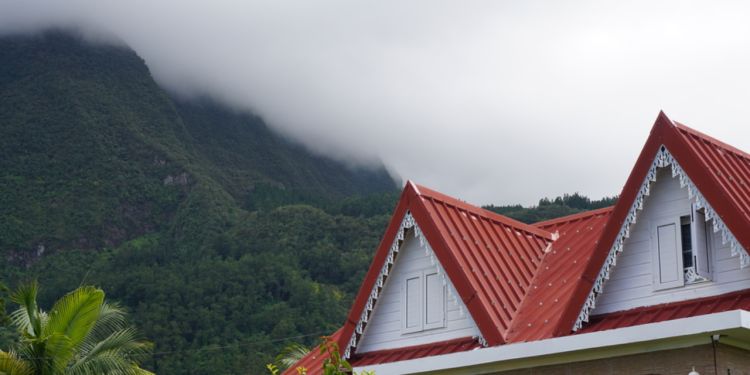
(657,251)
(441,304)
(702,250)
(405,303)
(423,303)
(698,272)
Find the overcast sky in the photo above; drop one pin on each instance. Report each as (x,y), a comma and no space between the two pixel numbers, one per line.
(493,102)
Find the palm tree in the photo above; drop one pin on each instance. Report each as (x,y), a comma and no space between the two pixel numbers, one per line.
(82,334)
(291,354)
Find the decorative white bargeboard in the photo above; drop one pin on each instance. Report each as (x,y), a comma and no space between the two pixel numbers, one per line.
(663,158)
(407,223)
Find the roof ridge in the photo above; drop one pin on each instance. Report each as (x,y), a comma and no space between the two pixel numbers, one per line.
(424,191)
(714,141)
(573,217)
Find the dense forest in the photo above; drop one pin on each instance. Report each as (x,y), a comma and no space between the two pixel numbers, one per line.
(223,240)
(216,234)
(547,208)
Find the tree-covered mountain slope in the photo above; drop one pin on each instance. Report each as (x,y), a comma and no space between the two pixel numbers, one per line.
(93,152)
(220,237)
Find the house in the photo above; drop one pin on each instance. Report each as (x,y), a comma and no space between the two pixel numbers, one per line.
(657,284)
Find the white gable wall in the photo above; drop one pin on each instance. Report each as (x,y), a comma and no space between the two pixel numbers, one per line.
(631,282)
(384,330)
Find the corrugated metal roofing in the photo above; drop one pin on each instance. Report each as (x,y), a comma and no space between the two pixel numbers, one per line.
(498,255)
(729,167)
(669,311)
(556,280)
(415,352)
(718,170)
(489,258)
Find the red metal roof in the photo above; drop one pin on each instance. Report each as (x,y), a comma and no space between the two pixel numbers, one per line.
(730,169)
(561,269)
(489,258)
(414,352)
(524,283)
(499,255)
(718,170)
(669,311)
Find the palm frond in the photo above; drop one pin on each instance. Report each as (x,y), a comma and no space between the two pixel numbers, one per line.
(291,354)
(107,363)
(11,364)
(75,314)
(68,323)
(139,371)
(123,341)
(58,349)
(81,335)
(111,319)
(110,363)
(27,318)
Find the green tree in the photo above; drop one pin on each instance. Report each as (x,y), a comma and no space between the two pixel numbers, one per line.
(7,335)
(3,314)
(81,334)
(291,354)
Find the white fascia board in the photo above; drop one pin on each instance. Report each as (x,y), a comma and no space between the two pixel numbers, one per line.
(670,329)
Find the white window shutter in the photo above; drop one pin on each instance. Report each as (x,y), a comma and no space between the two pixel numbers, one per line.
(701,249)
(434,301)
(412,316)
(667,256)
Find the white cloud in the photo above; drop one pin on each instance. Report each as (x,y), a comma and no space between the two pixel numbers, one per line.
(492,101)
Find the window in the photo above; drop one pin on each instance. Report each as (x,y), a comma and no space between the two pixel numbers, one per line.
(687,241)
(423,302)
(681,252)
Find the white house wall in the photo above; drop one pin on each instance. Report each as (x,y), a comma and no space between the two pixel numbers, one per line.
(630,284)
(384,331)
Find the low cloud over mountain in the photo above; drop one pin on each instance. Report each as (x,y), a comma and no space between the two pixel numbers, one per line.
(492,101)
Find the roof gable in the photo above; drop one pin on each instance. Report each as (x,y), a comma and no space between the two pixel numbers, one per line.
(707,167)
(387,326)
(490,259)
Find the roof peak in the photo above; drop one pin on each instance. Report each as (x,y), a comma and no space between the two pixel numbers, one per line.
(711,169)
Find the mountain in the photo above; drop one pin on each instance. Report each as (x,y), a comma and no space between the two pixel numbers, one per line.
(220,237)
(94,153)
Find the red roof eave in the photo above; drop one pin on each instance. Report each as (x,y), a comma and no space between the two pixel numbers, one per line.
(414,352)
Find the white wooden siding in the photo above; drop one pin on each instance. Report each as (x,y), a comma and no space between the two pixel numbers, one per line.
(384,331)
(631,282)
